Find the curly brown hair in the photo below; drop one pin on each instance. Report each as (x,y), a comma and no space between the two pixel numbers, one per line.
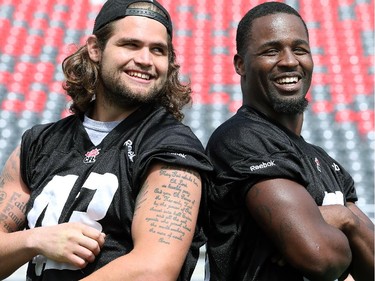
(82,77)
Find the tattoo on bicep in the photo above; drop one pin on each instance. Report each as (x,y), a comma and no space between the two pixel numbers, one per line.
(10,168)
(261,210)
(13,207)
(286,228)
(141,198)
(171,212)
(11,214)
(265,213)
(4,178)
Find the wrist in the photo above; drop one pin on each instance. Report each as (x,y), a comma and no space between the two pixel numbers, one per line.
(33,240)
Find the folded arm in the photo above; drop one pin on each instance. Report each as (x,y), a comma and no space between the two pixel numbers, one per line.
(291,219)
(359,230)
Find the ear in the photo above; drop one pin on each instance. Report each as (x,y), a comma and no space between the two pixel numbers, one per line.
(93,48)
(239,64)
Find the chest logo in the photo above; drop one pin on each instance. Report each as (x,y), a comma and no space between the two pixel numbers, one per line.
(317,162)
(90,157)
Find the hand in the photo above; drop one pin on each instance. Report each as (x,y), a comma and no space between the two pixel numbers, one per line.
(73,243)
(337,216)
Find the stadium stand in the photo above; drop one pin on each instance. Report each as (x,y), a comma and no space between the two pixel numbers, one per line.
(37,35)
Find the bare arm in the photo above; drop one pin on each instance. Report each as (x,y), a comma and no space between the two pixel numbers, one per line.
(163,226)
(359,230)
(72,243)
(14,196)
(292,220)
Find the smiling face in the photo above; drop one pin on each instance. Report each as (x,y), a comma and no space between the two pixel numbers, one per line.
(277,67)
(134,62)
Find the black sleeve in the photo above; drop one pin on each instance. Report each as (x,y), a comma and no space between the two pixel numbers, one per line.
(175,145)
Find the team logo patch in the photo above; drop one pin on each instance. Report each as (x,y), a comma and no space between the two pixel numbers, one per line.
(317,162)
(90,157)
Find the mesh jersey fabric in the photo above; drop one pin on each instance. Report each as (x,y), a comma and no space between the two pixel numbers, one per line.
(60,159)
(244,150)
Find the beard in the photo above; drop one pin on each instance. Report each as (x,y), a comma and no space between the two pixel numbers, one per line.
(116,92)
(294,106)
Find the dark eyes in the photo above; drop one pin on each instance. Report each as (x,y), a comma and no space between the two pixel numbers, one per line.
(301,51)
(271,52)
(159,50)
(275,52)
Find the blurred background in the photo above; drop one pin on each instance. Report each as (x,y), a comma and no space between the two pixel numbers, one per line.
(36,35)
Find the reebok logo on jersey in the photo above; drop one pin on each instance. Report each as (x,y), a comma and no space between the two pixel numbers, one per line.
(263,165)
(129,145)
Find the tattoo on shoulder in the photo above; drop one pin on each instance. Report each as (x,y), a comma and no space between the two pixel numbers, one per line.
(171,212)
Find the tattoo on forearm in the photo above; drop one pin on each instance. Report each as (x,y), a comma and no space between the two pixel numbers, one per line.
(171,211)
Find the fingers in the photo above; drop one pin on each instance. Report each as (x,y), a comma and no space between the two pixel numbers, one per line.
(94,234)
(73,243)
(83,256)
(92,243)
(86,248)
(77,261)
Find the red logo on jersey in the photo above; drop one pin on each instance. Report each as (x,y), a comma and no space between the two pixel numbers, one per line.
(90,156)
(317,162)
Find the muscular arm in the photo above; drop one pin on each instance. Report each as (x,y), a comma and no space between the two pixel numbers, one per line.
(14,196)
(72,243)
(359,230)
(361,239)
(163,226)
(291,219)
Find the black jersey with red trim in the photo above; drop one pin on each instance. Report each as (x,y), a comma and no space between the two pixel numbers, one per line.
(71,179)
(244,150)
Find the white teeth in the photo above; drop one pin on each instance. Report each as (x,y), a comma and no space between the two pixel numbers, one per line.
(287,80)
(139,75)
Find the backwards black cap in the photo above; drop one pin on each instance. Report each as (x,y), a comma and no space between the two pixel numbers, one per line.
(115,9)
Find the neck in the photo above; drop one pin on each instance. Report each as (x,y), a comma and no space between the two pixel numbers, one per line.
(293,122)
(102,111)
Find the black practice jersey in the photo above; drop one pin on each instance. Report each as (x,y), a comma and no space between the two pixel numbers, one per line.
(72,180)
(244,150)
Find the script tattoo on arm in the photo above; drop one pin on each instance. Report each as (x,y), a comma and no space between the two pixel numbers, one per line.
(10,205)
(170,215)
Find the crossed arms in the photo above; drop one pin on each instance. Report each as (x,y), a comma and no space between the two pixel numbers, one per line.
(322,242)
